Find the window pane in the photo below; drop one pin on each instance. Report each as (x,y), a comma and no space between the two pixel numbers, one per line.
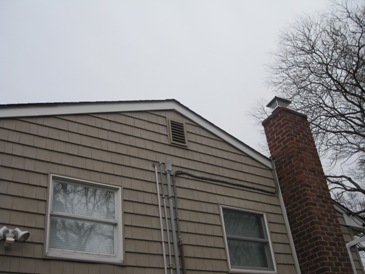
(81,236)
(249,254)
(243,224)
(83,200)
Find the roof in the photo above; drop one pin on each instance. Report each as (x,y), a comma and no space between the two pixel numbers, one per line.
(50,109)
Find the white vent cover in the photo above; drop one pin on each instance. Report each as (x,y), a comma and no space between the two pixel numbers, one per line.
(177,133)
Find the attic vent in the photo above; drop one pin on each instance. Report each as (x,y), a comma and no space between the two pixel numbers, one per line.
(177,133)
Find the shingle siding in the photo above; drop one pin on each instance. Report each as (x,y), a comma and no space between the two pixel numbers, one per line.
(349,236)
(119,149)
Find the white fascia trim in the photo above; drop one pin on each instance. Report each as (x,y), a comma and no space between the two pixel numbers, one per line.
(82,108)
(286,220)
(351,244)
(351,220)
(225,136)
(126,106)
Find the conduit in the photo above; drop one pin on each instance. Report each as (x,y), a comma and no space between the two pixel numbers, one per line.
(180,241)
(160,217)
(166,220)
(168,168)
(212,180)
(181,173)
(177,240)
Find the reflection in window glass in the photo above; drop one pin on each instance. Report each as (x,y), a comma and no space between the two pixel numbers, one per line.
(246,253)
(247,242)
(83,200)
(81,236)
(83,221)
(247,224)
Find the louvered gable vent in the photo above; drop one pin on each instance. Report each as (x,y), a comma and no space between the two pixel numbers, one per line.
(177,133)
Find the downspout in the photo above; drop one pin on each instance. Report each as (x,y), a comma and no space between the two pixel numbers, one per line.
(168,167)
(160,217)
(351,244)
(180,241)
(166,221)
(286,221)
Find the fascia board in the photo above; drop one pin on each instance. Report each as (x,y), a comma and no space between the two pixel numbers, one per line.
(225,136)
(351,220)
(34,110)
(51,109)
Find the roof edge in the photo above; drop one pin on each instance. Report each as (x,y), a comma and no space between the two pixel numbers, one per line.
(65,108)
(69,108)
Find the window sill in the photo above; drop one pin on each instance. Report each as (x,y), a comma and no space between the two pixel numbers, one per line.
(81,257)
(252,271)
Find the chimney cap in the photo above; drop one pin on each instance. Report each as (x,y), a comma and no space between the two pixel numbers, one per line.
(278,102)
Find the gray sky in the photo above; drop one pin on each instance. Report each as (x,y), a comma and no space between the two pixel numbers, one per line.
(209,55)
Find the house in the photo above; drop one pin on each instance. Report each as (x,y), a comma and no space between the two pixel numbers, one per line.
(139,187)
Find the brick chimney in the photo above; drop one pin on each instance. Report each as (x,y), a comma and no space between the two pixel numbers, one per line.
(317,236)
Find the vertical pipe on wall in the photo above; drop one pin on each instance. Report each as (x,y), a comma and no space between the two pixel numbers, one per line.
(166,221)
(160,217)
(286,221)
(168,167)
(351,244)
(180,242)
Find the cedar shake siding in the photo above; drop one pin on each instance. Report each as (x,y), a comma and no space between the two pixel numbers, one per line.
(119,149)
(316,230)
(349,235)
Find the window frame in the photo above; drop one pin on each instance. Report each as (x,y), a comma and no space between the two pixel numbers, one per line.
(117,257)
(248,269)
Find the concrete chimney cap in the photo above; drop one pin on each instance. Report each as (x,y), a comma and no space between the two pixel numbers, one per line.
(278,102)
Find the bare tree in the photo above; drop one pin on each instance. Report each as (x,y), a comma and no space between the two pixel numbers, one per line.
(320,67)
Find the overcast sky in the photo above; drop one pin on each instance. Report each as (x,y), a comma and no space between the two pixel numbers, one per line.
(209,55)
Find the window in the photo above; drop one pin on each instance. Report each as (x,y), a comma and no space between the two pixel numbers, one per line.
(84,221)
(247,241)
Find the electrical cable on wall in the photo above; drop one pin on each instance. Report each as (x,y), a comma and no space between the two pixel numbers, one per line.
(182,173)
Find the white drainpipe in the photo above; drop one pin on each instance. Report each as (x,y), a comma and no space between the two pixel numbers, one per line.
(286,220)
(168,167)
(351,244)
(161,223)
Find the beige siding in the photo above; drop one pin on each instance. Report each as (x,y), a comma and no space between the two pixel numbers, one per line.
(119,149)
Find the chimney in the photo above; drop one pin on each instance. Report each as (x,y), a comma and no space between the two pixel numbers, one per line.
(317,235)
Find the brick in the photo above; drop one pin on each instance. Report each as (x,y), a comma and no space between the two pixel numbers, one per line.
(310,209)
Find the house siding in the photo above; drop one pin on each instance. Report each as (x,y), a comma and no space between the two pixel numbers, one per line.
(349,236)
(119,149)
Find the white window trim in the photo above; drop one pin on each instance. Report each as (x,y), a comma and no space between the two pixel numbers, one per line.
(248,270)
(81,256)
